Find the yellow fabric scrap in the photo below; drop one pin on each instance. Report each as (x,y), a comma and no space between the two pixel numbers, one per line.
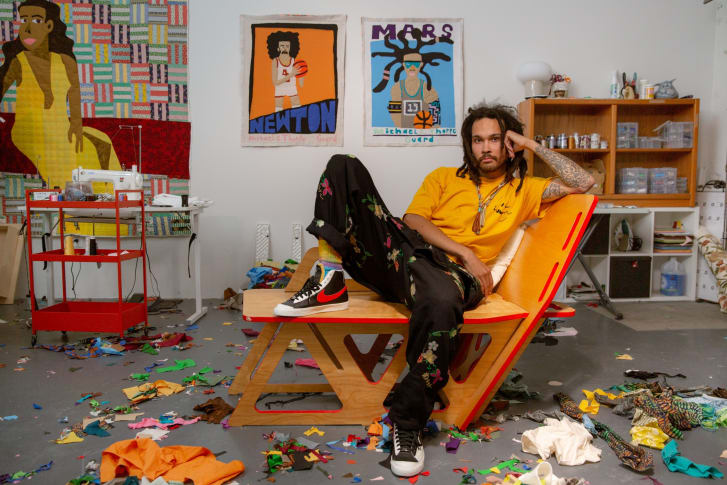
(648,436)
(590,405)
(375,429)
(494,469)
(311,457)
(71,437)
(293,345)
(271,452)
(312,430)
(624,357)
(226,323)
(164,388)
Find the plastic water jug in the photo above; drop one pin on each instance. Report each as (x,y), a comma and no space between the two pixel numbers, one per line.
(673,278)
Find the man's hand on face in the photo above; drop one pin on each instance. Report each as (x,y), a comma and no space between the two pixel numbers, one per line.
(515,142)
(479,270)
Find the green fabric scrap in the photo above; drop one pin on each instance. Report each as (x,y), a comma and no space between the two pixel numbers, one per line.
(83,480)
(457,434)
(677,463)
(205,370)
(179,365)
(149,349)
(211,381)
(140,377)
(274,461)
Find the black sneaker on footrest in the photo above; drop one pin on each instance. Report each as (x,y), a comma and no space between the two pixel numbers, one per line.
(319,294)
(407,452)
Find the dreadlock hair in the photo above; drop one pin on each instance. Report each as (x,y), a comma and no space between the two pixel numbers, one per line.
(57,40)
(275,38)
(398,53)
(506,117)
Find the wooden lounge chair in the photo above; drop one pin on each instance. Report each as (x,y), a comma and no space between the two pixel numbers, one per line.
(510,316)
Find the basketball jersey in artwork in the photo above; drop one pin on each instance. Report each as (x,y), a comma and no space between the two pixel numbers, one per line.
(288,88)
(411,104)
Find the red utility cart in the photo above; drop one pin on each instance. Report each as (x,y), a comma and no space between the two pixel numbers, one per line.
(86,316)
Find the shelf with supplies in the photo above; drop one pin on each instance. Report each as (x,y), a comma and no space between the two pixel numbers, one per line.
(670,124)
(80,256)
(86,316)
(625,254)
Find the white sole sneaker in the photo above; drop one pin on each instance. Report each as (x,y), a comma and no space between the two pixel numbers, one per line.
(286,311)
(409,468)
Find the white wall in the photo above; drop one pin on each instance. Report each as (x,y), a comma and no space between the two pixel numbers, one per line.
(713,156)
(587,39)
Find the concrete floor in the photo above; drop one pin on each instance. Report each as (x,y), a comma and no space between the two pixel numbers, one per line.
(585,361)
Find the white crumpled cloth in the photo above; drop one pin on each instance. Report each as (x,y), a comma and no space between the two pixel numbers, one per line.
(569,441)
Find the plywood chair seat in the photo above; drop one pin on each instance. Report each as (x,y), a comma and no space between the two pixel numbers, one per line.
(509,318)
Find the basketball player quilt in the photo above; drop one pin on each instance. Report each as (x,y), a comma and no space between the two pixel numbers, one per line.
(292,80)
(413,87)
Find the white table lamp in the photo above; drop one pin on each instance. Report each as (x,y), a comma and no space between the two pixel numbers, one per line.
(535,76)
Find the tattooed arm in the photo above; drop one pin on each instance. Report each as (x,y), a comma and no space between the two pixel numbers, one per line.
(571,177)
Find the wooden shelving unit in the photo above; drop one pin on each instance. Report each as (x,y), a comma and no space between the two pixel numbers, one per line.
(585,116)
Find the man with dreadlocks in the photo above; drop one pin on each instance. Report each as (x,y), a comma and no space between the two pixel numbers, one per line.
(436,261)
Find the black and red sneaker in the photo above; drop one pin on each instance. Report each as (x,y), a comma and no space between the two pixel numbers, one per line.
(323,292)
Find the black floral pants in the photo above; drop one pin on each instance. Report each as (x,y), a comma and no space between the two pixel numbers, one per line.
(382,253)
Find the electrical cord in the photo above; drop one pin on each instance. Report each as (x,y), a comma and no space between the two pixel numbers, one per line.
(136,266)
(74,279)
(154,278)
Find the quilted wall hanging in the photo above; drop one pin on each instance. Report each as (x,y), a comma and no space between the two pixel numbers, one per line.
(82,82)
(292,80)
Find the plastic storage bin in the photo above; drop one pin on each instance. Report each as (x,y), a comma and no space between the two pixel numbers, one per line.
(630,277)
(682,185)
(663,180)
(649,142)
(627,135)
(676,134)
(632,180)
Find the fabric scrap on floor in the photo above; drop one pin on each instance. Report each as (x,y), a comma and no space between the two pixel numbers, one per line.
(648,436)
(154,434)
(541,475)
(632,456)
(568,406)
(96,429)
(178,365)
(215,410)
(646,375)
(144,458)
(307,363)
(151,390)
(71,437)
(591,405)
(570,442)
(677,463)
(155,423)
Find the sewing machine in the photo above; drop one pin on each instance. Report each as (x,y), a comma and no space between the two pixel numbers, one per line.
(122,179)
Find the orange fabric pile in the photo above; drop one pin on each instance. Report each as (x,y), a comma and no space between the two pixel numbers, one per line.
(144,458)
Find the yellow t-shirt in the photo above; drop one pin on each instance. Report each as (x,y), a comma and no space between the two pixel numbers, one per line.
(450,203)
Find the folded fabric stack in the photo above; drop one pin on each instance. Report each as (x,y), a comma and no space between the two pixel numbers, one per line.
(673,241)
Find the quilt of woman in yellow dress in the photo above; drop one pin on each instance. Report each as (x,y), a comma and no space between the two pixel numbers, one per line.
(48,126)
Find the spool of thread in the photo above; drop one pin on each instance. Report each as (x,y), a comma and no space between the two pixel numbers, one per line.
(68,248)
